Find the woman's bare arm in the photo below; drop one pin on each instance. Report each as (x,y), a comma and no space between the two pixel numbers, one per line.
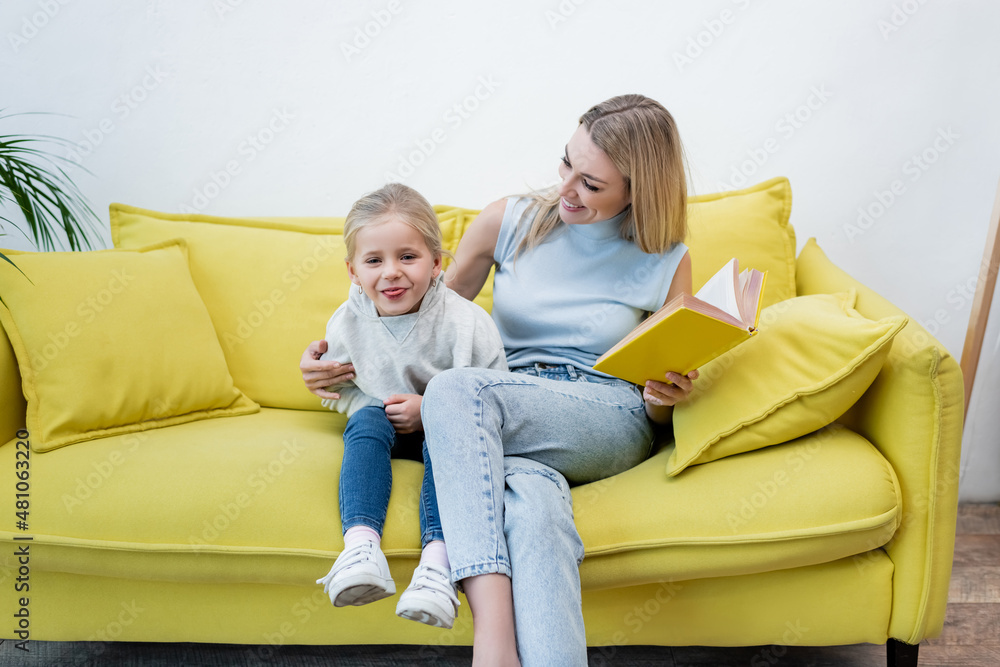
(474,256)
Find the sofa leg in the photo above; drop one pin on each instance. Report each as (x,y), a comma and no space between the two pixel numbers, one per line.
(900,654)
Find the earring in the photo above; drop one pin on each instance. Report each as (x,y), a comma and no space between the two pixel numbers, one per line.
(360,291)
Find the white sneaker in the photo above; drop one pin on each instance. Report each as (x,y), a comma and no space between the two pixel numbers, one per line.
(359,576)
(430,598)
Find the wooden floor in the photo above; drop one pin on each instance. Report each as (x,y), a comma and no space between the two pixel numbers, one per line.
(971,636)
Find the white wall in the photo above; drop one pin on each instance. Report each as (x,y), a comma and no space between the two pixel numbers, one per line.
(882,114)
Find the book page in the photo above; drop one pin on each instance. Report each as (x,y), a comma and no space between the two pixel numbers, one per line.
(720,290)
(751,289)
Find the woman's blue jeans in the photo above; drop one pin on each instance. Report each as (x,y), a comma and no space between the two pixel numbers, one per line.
(366,473)
(504,446)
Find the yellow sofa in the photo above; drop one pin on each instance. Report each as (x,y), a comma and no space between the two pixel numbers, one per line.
(202,504)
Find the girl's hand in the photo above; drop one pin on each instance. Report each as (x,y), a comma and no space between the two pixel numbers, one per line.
(660,397)
(318,375)
(403,411)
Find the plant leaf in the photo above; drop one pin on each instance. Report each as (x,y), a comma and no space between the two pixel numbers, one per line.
(34,179)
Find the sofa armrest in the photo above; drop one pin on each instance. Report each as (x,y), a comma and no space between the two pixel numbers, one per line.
(913,414)
(12,405)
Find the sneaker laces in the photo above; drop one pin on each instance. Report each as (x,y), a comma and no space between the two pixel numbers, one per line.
(359,554)
(435,578)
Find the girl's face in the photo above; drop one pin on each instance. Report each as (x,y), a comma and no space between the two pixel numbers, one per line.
(393,265)
(592,189)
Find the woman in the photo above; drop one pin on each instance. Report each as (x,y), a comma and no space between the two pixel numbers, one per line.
(576,270)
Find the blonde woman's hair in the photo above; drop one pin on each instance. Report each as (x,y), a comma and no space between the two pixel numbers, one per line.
(401,201)
(640,137)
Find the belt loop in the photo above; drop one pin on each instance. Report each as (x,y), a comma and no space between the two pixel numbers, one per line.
(573,375)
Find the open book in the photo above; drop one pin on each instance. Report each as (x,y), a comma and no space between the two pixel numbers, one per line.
(690,330)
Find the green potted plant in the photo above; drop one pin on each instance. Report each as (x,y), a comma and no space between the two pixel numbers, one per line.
(33,180)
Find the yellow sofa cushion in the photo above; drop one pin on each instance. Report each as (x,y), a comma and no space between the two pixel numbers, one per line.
(812,358)
(112,342)
(824,496)
(222,500)
(751,225)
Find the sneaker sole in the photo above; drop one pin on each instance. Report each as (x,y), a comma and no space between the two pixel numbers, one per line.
(428,615)
(362,590)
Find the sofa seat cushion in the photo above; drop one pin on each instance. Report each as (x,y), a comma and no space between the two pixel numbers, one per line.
(254,499)
(821,497)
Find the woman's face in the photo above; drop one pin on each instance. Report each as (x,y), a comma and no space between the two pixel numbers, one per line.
(592,188)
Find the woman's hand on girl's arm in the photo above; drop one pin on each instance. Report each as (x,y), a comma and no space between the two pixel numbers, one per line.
(318,375)
(661,397)
(403,412)
(474,255)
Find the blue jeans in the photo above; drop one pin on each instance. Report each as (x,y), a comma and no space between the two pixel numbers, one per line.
(506,448)
(366,473)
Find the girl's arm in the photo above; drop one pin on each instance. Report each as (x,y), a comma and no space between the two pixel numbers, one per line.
(474,256)
(660,397)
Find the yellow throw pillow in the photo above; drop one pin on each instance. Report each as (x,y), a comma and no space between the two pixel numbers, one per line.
(112,342)
(813,357)
(750,225)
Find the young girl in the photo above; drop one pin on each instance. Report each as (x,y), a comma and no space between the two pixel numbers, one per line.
(399,328)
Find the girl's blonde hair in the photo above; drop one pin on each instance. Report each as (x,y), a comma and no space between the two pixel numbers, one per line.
(640,137)
(401,201)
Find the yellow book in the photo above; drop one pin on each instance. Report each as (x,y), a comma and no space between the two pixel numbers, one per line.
(690,331)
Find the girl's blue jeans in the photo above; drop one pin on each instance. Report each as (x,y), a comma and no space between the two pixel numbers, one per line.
(504,446)
(366,473)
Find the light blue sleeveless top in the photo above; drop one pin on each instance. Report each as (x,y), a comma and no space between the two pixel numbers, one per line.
(570,299)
